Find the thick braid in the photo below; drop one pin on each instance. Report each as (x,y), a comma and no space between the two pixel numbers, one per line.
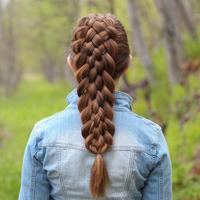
(95,51)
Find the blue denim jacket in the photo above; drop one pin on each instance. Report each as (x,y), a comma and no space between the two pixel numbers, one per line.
(57,165)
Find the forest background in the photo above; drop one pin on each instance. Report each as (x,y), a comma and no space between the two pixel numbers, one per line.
(163,78)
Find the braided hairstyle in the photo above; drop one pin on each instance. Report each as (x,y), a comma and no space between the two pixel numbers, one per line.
(100,53)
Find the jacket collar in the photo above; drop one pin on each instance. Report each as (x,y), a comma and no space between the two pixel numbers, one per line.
(122,99)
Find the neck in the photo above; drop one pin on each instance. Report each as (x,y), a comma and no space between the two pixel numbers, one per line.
(116,81)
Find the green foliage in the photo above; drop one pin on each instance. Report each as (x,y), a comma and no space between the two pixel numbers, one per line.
(34,100)
(192,45)
(44,30)
(178,108)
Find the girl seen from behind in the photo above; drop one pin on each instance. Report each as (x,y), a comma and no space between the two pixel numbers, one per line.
(97,147)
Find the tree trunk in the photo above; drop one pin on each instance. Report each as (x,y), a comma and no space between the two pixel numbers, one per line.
(1,24)
(72,16)
(170,41)
(185,17)
(112,6)
(11,72)
(1,46)
(139,42)
(177,20)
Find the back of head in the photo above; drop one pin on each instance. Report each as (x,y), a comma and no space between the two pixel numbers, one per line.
(100,53)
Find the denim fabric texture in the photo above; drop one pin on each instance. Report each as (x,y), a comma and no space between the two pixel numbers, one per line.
(56,163)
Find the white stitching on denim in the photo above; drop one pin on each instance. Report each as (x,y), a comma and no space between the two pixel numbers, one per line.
(122,148)
(33,182)
(60,168)
(131,159)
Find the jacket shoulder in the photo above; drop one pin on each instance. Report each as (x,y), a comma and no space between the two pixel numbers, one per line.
(49,119)
(48,127)
(145,121)
(53,128)
(145,132)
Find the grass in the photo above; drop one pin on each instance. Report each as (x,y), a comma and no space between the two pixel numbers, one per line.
(36,99)
(33,101)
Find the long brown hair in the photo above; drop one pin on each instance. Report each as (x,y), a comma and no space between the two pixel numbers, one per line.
(100,53)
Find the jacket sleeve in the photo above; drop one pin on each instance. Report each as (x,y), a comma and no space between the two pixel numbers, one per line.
(159,182)
(34,182)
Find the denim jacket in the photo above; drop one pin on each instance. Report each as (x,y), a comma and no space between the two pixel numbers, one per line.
(56,164)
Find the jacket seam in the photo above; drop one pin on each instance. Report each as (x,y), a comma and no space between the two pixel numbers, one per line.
(33,182)
(160,195)
(36,148)
(128,171)
(60,173)
(157,142)
(157,160)
(36,159)
(120,148)
(34,164)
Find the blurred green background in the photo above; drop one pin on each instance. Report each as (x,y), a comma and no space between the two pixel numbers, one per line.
(164,36)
